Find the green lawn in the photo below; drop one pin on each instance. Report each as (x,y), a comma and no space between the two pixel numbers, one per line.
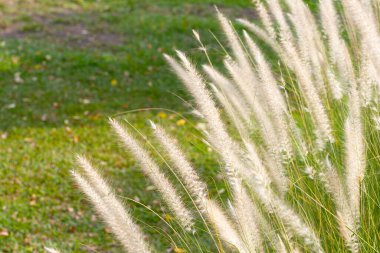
(66,66)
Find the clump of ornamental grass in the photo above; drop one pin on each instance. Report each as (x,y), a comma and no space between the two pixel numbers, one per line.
(293,117)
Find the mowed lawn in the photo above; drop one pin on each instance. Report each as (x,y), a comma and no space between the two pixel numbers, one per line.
(66,66)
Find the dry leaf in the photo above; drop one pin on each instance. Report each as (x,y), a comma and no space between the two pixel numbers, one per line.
(113,82)
(15,59)
(178,250)
(33,200)
(162,115)
(4,232)
(168,217)
(17,78)
(181,122)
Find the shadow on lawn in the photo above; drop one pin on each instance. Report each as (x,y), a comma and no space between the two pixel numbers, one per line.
(60,70)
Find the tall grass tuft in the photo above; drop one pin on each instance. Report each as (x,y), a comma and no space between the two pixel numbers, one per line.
(294,121)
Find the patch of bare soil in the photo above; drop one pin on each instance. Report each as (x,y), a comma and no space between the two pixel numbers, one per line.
(231,13)
(66,31)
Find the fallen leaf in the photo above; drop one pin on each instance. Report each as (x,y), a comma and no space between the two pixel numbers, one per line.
(150,188)
(181,122)
(44,117)
(85,101)
(201,126)
(179,250)
(4,232)
(33,200)
(162,115)
(220,191)
(15,59)
(11,106)
(168,217)
(95,116)
(4,135)
(27,240)
(51,250)
(17,78)
(156,202)
(76,138)
(118,164)
(113,82)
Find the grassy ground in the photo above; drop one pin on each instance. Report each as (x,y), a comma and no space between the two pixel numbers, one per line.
(65,67)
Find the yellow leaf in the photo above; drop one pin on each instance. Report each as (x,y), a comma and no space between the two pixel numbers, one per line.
(179,250)
(162,115)
(15,60)
(167,217)
(113,82)
(181,122)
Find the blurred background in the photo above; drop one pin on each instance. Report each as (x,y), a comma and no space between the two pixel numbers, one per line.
(65,67)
